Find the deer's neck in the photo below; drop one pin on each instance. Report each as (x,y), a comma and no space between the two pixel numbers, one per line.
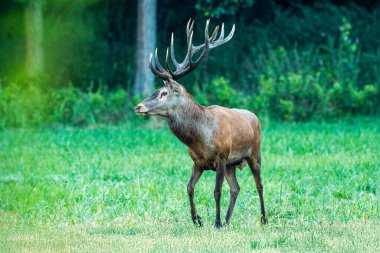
(189,123)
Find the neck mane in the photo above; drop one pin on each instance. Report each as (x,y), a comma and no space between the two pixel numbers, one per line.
(186,121)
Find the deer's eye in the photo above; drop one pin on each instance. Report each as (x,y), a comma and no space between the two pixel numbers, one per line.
(164,93)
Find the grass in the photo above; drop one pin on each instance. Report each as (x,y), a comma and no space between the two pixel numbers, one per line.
(123,188)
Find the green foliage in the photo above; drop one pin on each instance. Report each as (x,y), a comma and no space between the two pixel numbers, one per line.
(351,100)
(219,92)
(24,105)
(216,9)
(302,85)
(27,104)
(296,94)
(83,108)
(291,97)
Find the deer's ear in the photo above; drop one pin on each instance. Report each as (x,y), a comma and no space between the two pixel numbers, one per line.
(176,87)
(170,85)
(173,85)
(167,84)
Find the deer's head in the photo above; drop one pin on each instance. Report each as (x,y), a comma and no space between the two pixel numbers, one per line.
(172,94)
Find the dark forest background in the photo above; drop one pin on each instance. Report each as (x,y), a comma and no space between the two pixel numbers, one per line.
(74,62)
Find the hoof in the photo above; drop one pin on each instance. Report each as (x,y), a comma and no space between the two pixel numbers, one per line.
(197,221)
(264,220)
(218,224)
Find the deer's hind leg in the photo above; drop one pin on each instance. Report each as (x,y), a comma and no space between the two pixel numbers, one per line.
(254,163)
(234,190)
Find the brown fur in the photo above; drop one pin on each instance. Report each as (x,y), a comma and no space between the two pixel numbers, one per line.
(237,132)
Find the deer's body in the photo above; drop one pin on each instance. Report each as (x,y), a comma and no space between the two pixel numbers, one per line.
(217,138)
(216,133)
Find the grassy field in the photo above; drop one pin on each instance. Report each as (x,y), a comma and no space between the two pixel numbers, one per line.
(123,188)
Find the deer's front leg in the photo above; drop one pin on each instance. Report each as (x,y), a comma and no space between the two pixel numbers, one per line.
(195,175)
(220,170)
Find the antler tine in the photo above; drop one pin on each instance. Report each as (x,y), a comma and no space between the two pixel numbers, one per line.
(161,75)
(213,36)
(167,62)
(151,65)
(190,53)
(172,55)
(184,68)
(222,40)
(206,29)
(230,35)
(189,50)
(189,29)
(222,32)
(160,68)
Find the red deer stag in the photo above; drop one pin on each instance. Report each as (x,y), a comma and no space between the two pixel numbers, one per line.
(217,138)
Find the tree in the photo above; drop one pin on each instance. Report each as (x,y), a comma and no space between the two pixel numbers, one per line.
(146,41)
(34,37)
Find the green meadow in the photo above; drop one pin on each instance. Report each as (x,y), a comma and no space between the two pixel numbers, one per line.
(123,188)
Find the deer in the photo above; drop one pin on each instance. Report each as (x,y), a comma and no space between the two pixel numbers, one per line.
(217,138)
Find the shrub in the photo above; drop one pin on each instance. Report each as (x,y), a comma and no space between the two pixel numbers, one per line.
(219,91)
(293,96)
(23,105)
(83,108)
(348,99)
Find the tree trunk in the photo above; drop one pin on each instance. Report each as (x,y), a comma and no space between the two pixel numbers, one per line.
(34,38)
(146,42)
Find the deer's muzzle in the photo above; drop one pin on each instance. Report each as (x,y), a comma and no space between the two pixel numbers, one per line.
(141,109)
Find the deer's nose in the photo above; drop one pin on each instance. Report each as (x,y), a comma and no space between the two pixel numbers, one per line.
(137,108)
(141,108)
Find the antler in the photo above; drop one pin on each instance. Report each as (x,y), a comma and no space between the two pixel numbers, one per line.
(188,65)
